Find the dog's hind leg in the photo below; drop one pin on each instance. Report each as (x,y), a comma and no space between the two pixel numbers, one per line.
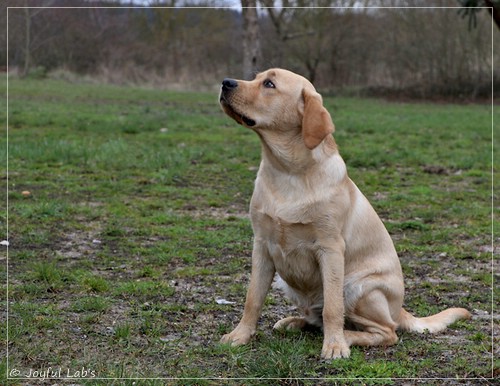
(372,315)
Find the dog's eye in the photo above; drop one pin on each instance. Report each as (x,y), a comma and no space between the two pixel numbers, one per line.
(268,84)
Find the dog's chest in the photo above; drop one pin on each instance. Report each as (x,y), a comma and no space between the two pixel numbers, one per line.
(287,235)
(291,246)
(290,243)
(288,217)
(292,219)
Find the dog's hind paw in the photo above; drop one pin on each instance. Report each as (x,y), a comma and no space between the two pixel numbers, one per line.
(291,323)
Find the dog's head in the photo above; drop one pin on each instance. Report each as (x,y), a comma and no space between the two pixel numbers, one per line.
(278,100)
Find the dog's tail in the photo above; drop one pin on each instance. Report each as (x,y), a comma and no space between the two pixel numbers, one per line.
(433,323)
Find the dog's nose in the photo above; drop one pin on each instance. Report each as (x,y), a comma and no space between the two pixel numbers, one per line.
(229,84)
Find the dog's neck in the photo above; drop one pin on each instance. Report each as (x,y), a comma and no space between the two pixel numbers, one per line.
(292,156)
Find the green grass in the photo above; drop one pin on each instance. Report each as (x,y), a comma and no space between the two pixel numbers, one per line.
(136,223)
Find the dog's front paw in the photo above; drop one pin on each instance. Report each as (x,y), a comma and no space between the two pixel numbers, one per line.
(237,337)
(335,350)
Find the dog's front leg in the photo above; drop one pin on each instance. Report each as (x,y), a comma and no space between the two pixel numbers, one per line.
(260,281)
(331,263)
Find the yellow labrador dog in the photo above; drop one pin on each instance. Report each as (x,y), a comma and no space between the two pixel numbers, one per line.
(314,227)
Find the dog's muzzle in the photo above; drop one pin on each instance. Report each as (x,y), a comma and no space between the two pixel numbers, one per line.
(228,87)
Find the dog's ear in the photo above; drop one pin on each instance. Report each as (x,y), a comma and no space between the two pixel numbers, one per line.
(316,121)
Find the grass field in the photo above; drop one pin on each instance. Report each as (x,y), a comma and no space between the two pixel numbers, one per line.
(136,223)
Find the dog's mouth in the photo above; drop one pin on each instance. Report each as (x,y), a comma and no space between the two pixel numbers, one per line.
(238,117)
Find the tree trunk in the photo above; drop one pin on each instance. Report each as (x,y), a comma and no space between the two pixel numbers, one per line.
(27,42)
(251,42)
